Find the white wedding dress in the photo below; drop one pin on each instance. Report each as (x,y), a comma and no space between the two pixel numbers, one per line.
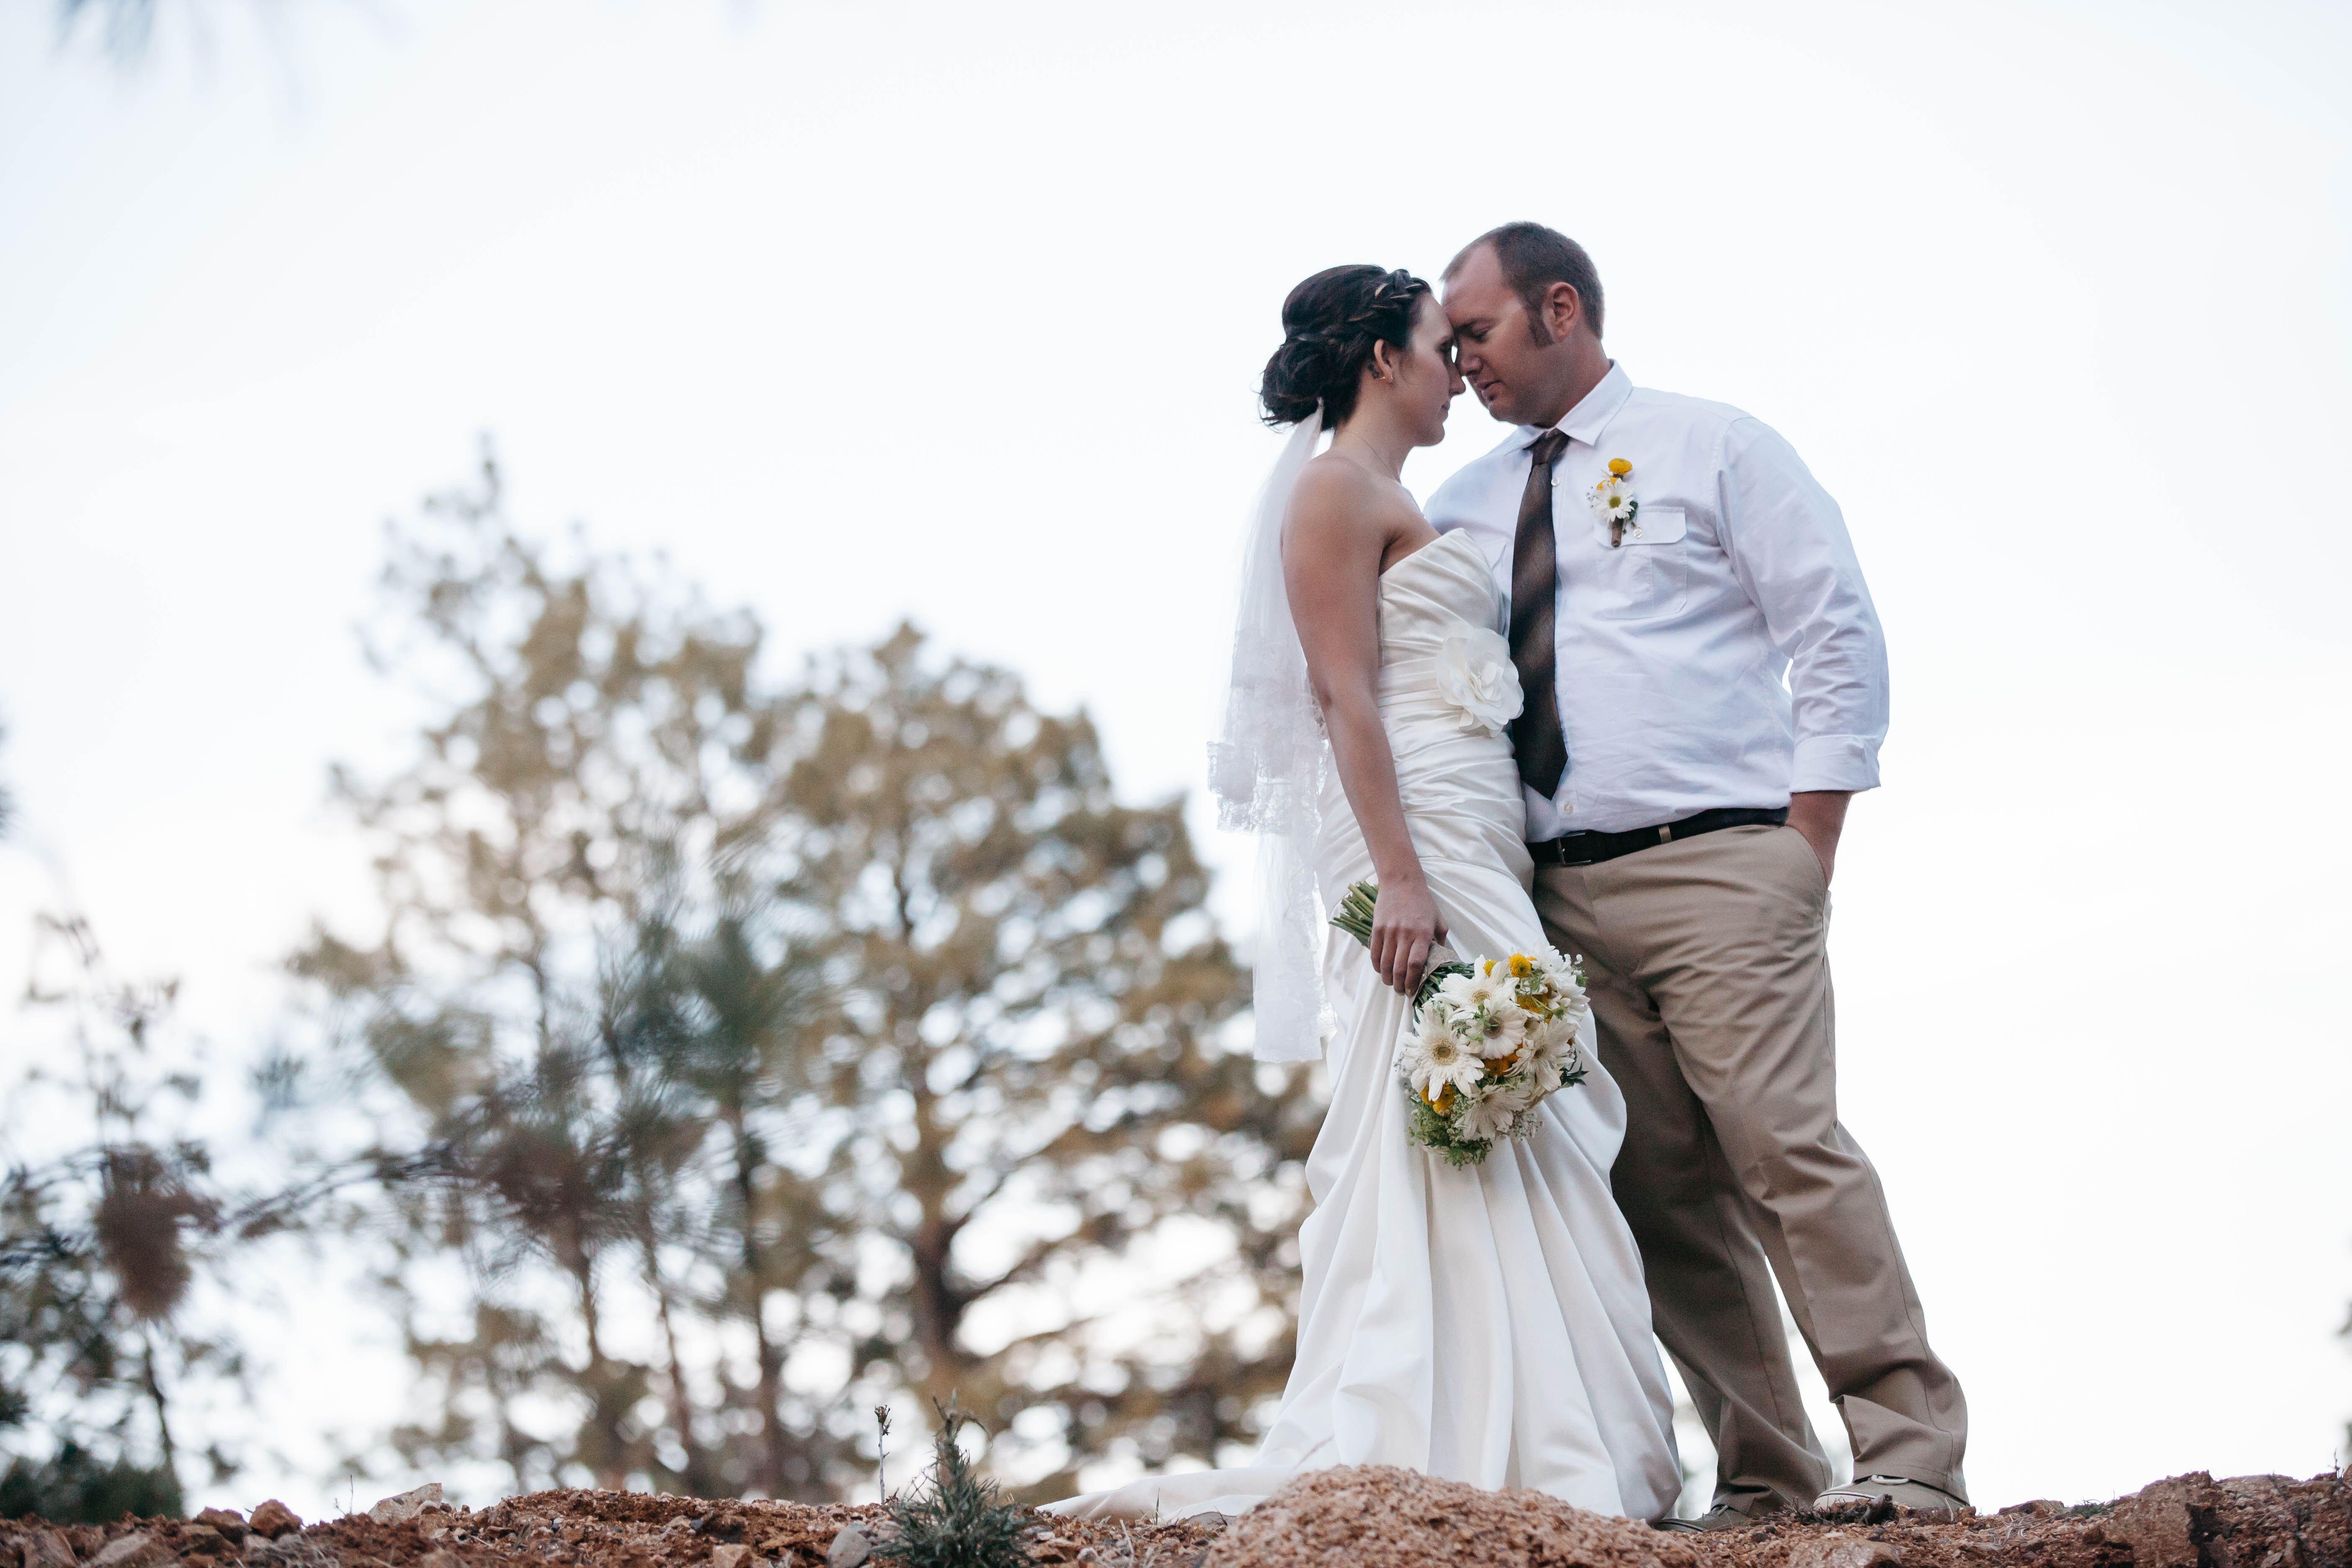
(1486,1324)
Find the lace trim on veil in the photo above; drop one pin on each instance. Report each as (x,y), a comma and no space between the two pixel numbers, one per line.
(1268,769)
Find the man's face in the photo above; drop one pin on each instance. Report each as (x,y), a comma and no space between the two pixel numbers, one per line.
(1494,343)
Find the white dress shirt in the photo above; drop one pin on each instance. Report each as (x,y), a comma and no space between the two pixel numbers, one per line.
(1728,652)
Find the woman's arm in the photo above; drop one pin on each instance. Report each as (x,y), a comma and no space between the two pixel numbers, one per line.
(1331,560)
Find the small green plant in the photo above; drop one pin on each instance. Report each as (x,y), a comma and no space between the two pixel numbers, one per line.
(953,1517)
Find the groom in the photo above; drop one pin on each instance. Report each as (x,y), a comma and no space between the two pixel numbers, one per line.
(1668,562)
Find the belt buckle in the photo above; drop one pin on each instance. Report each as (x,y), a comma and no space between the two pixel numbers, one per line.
(1583,853)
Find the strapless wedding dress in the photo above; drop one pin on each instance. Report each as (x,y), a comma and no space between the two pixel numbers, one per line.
(1488,1324)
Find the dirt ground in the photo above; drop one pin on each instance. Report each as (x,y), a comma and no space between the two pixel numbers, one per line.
(1371,1517)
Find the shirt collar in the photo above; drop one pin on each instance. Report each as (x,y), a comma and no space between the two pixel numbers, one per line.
(1591,417)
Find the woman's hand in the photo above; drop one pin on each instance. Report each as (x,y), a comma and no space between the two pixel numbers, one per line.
(1405,925)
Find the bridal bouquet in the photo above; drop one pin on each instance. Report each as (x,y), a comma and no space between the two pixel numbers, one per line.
(1490,1039)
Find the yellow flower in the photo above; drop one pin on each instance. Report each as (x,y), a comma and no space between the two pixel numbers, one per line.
(1521,967)
(1442,1101)
(1620,467)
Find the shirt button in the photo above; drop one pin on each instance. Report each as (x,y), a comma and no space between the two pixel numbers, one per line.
(1569,810)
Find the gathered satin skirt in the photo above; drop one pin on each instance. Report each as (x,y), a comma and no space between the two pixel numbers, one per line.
(1486,1324)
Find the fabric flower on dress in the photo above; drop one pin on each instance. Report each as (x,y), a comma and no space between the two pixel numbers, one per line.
(1475,673)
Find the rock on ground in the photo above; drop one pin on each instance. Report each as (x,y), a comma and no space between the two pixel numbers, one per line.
(274,1519)
(407,1505)
(1373,1517)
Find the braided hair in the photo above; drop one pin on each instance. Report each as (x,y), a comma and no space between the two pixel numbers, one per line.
(1329,324)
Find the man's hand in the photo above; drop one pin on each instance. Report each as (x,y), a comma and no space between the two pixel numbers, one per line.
(1820,815)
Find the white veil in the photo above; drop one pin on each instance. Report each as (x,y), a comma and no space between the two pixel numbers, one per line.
(1268,767)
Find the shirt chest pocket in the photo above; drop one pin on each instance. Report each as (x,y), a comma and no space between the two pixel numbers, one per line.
(1646,574)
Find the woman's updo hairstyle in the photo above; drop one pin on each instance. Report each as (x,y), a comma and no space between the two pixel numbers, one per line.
(1329,324)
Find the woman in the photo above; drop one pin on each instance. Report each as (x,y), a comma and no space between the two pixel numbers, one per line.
(1484,1323)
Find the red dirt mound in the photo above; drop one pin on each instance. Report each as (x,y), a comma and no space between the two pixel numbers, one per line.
(1373,1517)
(1383,1517)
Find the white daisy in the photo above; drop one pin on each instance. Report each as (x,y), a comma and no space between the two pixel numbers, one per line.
(1485,991)
(1553,1049)
(1557,1033)
(1613,501)
(1453,990)
(1503,1113)
(1560,976)
(1502,1029)
(1434,1057)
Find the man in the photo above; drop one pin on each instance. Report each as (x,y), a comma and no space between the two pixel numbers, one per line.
(1669,561)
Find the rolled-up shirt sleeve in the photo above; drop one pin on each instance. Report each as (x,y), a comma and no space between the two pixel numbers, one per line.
(1789,546)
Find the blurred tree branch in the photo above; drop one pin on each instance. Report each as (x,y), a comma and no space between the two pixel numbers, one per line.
(759,1051)
(101,1245)
(125,27)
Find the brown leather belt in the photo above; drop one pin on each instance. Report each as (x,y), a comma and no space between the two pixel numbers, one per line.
(1592,848)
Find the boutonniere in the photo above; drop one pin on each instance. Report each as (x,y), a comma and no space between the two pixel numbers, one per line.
(1615,504)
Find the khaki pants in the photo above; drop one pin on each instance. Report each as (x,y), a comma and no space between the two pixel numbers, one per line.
(1709,976)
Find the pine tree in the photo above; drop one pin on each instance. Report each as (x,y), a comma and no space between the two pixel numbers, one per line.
(955,1517)
(101,1242)
(840,1022)
(1029,1063)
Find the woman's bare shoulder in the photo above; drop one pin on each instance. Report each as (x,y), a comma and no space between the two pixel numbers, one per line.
(1333,492)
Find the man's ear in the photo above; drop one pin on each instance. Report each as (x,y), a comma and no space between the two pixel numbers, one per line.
(1563,310)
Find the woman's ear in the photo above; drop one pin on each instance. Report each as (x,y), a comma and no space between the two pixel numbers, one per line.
(1384,359)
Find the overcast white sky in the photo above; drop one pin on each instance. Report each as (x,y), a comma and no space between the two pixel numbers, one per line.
(956,312)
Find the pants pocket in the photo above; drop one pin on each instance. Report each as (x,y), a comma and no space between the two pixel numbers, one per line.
(1809,878)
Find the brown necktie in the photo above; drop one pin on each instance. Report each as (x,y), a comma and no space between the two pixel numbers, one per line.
(1535,590)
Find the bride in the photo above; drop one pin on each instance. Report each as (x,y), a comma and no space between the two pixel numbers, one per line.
(1484,1323)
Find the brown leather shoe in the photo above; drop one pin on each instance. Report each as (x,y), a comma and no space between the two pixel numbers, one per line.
(1893,1492)
(1722,1516)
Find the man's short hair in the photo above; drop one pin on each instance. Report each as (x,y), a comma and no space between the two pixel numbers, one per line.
(1533,259)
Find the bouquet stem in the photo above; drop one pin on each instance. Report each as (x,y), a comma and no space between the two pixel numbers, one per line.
(1355,916)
